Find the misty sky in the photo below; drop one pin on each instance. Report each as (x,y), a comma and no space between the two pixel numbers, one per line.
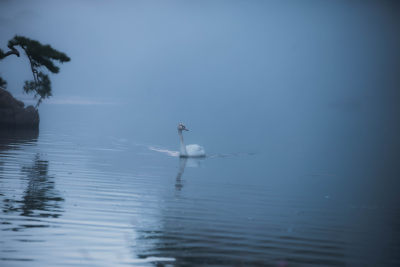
(263,66)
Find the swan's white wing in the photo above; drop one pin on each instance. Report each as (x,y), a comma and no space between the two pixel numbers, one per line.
(195,150)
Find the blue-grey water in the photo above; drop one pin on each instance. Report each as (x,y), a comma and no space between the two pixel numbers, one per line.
(90,190)
(295,102)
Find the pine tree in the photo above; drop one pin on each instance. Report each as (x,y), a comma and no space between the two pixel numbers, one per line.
(39,56)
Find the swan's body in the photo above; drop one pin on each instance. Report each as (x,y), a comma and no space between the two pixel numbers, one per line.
(189,150)
(194,151)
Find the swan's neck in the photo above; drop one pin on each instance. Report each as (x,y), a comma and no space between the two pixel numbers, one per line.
(183,147)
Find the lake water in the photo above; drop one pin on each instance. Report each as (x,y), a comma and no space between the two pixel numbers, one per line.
(97,188)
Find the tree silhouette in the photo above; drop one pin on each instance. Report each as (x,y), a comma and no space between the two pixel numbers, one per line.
(39,56)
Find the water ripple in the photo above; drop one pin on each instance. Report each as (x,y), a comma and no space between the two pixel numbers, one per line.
(111,204)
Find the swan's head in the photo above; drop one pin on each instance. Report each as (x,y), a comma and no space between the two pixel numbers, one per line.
(182,127)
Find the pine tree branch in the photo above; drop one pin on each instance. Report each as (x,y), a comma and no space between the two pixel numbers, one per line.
(39,56)
(12,51)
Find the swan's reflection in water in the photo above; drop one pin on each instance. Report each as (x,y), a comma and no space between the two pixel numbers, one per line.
(212,226)
(183,162)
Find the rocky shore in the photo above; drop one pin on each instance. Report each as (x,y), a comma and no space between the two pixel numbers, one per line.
(13,113)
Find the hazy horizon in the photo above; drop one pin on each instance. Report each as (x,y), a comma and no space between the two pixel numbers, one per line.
(213,64)
(297,102)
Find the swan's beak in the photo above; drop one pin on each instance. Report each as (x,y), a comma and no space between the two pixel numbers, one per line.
(186,129)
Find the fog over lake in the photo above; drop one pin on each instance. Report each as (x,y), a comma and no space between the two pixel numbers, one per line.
(295,102)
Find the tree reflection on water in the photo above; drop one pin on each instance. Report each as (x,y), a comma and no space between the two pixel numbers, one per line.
(40,194)
(40,197)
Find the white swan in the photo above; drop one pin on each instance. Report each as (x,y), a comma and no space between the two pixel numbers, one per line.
(189,150)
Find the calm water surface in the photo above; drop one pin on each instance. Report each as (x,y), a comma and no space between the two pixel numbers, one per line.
(90,193)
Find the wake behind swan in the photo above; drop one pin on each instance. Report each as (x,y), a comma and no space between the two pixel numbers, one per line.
(166,151)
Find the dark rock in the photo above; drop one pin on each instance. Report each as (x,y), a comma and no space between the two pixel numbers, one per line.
(14,115)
